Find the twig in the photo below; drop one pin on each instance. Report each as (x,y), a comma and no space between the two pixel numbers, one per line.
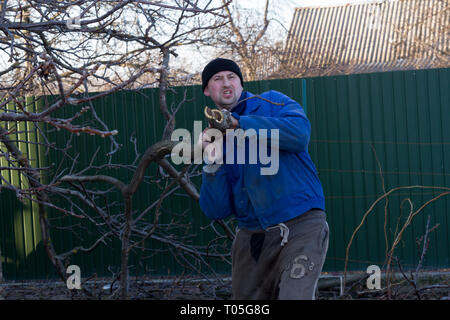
(409,219)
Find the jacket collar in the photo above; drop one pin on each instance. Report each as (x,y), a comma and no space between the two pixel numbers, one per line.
(240,107)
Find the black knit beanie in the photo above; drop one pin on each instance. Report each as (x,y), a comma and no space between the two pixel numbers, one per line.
(218,65)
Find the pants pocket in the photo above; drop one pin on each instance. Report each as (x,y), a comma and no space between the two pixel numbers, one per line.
(323,238)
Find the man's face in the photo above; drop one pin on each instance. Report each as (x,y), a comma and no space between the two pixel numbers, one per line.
(225,89)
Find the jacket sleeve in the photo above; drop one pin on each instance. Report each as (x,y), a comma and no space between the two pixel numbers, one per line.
(216,199)
(290,119)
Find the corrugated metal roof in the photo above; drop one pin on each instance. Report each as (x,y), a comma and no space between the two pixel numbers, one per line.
(377,36)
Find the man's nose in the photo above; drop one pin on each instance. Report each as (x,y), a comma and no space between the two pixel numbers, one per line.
(226,82)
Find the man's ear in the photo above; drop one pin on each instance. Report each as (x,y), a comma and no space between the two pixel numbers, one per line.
(206,91)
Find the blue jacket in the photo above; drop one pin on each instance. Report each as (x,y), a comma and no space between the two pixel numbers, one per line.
(259,201)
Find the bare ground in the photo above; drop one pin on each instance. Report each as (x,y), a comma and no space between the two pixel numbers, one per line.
(429,287)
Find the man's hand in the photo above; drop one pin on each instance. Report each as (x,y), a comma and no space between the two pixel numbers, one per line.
(234,123)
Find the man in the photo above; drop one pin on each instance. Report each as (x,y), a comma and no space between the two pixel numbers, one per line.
(282,236)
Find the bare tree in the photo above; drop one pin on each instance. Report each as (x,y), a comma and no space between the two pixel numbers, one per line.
(248,39)
(80,51)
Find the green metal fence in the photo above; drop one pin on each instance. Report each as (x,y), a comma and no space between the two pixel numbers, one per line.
(373,133)
(367,130)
